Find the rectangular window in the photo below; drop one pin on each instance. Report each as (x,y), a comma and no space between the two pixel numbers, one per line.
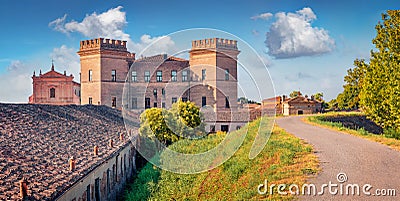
(227,102)
(173,76)
(90,75)
(225,128)
(134,76)
(147,103)
(226,74)
(88,192)
(184,99)
(174,100)
(163,105)
(163,91)
(108,180)
(134,103)
(155,92)
(203,74)
(114,102)
(147,76)
(184,76)
(159,76)
(52,93)
(212,129)
(97,189)
(113,75)
(155,104)
(90,100)
(203,101)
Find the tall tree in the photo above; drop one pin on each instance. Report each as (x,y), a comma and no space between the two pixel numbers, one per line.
(380,94)
(349,98)
(294,94)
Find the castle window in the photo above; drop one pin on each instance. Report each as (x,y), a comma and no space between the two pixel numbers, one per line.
(147,103)
(88,192)
(134,76)
(227,102)
(90,75)
(113,75)
(203,101)
(173,76)
(90,100)
(134,103)
(114,102)
(184,99)
(184,76)
(225,128)
(52,93)
(163,105)
(147,76)
(155,92)
(159,76)
(163,91)
(203,74)
(212,128)
(155,104)
(226,74)
(174,100)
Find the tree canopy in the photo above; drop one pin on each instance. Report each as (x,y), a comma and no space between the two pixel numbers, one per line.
(183,120)
(380,92)
(375,86)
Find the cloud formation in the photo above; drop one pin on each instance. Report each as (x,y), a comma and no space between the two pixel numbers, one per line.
(292,35)
(262,16)
(111,24)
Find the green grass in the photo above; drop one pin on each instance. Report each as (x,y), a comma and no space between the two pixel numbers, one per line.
(389,138)
(284,160)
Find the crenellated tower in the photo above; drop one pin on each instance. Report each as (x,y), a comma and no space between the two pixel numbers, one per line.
(214,62)
(104,67)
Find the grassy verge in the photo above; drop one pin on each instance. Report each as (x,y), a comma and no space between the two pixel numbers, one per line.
(337,126)
(284,160)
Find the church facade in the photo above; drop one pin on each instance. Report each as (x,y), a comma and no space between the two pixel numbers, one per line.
(54,88)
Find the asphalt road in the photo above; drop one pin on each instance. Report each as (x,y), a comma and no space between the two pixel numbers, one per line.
(364,162)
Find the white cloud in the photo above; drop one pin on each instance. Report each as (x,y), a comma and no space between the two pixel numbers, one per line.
(292,35)
(111,24)
(18,74)
(66,59)
(16,82)
(262,16)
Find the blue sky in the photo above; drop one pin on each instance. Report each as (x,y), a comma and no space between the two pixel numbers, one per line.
(310,44)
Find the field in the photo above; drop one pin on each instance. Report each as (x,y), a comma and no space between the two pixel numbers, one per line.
(284,160)
(355,123)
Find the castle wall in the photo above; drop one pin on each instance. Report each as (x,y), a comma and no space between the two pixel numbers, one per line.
(107,180)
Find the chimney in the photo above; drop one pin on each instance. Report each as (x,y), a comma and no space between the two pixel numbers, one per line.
(23,188)
(96,150)
(121,137)
(312,97)
(111,143)
(283,98)
(72,163)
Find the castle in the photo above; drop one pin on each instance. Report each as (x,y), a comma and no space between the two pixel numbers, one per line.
(110,75)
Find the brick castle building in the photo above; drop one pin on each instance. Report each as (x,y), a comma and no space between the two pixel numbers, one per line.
(208,78)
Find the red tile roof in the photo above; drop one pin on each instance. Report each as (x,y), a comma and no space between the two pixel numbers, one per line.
(36,142)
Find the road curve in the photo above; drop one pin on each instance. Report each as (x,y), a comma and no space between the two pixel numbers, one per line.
(363,162)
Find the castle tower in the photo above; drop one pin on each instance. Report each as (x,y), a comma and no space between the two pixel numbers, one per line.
(213,61)
(104,67)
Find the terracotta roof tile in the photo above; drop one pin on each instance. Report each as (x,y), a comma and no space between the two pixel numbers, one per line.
(36,142)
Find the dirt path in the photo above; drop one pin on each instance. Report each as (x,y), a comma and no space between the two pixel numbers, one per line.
(363,161)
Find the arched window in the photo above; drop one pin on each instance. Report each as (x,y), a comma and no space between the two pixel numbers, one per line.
(52,93)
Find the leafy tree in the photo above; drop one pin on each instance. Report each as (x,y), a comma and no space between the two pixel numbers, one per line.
(182,120)
(319,96)
(380,94)
(349,98)
(294,94)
